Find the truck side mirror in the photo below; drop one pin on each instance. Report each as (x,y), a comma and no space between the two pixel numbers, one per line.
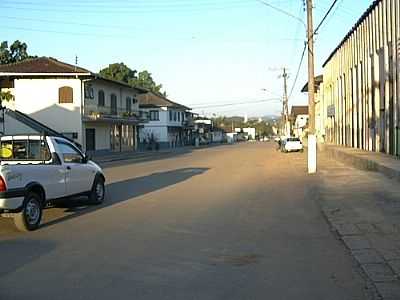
(86,158)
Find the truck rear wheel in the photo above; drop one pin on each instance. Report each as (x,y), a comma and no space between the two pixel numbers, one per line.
(31,214)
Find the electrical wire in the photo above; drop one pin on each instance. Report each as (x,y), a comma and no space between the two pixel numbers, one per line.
(325,16)
(238,103)
(123,9)
(298,70)
(282,11)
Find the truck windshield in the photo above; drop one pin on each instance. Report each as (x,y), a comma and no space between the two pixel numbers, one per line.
(24,150)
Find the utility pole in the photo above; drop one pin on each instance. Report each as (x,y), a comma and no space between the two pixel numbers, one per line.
(286,127)
(312,140)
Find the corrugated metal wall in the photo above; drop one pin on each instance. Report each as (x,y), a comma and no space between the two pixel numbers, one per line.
(361,83)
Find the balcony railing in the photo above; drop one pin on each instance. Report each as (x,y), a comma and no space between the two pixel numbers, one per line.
(95,112)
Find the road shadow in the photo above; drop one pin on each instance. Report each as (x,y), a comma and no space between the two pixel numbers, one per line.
(125,190)
(17,253)
(151,156)
(155,156)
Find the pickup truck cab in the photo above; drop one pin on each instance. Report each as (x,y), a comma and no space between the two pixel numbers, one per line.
(37,170)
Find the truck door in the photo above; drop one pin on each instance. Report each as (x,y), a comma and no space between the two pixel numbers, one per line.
(79,175)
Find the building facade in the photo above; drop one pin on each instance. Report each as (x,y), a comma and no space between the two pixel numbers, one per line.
(111,116)
(97,113)
(360,90)
(299,121)
(169,123)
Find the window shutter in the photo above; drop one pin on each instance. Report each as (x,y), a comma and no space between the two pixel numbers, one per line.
(65,94)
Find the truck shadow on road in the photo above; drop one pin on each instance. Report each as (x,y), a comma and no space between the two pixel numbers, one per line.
(15,254)
(122,191)
(142,158)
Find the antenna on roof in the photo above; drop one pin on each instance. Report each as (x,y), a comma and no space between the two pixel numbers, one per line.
(76,61)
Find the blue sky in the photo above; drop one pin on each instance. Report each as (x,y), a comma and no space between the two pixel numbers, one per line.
(204,52)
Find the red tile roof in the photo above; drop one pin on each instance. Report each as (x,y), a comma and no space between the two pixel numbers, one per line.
(299,110)
(151,99)
(42,65)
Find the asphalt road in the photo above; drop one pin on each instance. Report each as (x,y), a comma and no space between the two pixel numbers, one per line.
(229,222)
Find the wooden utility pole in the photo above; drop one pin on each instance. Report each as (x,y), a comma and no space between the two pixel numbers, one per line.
(285,103)
(312,141)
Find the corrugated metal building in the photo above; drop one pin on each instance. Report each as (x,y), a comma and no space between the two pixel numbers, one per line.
(360,90)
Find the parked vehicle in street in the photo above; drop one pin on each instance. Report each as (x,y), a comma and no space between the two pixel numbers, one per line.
(37,170)
(291,144)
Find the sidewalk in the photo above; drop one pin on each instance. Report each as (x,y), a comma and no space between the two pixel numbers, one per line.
(371,161)
(363,209)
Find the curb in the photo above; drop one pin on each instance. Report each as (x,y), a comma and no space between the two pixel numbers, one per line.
(362,163)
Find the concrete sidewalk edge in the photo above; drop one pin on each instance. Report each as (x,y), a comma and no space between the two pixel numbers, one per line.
(313,192)
(363,161)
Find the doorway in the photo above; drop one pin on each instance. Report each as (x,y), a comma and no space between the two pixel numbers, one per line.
(90,139)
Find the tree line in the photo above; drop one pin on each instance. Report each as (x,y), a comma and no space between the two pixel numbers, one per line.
(263,128)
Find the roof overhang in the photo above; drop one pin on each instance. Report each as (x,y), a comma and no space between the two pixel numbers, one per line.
(317,82)
(8,74)
(354,28)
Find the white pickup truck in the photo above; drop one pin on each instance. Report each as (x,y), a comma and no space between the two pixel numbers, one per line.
(37,170)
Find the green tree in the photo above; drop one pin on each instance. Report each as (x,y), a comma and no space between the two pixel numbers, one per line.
(145,80)
(121,72)
(5,96)
(18,51)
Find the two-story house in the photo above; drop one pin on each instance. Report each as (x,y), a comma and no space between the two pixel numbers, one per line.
(98,113)
(169,123)
(299,120)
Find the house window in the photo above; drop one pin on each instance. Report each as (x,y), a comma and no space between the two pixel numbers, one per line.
(134,101)
(179,116)
(65,94)
(128,104)
(114,104)
(154,115)
(101,99)
(174,115)
(170,115)
(89,92)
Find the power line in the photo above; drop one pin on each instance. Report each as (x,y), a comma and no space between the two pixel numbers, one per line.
(124,9)
(124,4)
(66,22)
(325,16)
(238,103)
(68,32)
(301,12)
(305,47)
(298,70)
(282,11)
(333,13)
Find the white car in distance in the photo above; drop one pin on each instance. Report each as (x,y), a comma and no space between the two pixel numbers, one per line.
(292,144)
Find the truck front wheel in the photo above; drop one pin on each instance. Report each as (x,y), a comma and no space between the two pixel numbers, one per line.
(31,214)
(98,191)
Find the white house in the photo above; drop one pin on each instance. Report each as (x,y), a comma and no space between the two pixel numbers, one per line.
(299,120)
(98,113)
(249,132)
(169,123)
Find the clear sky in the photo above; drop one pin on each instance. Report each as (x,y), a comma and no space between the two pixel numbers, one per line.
(205,53)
